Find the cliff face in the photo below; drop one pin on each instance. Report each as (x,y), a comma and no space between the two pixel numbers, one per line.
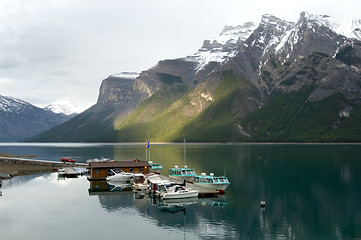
(275,81)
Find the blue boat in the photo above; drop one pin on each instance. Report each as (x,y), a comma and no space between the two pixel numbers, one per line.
(182,174)
(155,167)
(211,182)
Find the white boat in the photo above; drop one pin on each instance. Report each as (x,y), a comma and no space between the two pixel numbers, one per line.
(211,182)
(176,191)
(101,159)
(139,182)
(118,175)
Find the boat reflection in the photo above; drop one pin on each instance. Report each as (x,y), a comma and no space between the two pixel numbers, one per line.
(175,205)
(108,187)
(219,201)
(119,186)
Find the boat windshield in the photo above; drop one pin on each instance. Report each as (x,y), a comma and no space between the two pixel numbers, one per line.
(223,179)
(206,180)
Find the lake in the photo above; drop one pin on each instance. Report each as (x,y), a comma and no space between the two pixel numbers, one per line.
(312,191)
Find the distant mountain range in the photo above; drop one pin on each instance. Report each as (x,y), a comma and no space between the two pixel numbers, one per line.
(20,120)
(276,81)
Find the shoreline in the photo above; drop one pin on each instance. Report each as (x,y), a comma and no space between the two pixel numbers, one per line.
(14,165)
(16,169)
(169,143)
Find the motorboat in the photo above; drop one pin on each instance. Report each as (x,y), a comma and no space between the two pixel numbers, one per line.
(139,182)
(176,191)
(155,167)
(118,175)
(211,182)
(101,159)
(181,174)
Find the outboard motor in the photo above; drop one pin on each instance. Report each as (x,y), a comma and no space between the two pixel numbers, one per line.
(184,183)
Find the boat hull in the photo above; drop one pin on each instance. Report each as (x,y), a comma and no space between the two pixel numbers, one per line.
(120,178)
(157,171)
(214,186)
(172,195)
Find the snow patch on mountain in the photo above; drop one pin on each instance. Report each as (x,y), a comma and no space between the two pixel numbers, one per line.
(222,48)
(126,75)
(347,28)
(64,107)
(10,104)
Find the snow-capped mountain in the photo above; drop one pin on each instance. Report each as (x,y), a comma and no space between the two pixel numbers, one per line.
(222,48)
(12,105)
(62,108)
(272,81)
(125,75)
(20,120)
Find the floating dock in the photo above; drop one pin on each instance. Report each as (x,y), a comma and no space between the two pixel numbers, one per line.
(70,172)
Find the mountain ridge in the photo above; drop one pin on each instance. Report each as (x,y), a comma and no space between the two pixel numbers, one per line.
(293,64)
(20,120)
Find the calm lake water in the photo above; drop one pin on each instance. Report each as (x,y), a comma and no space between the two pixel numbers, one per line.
(311,192)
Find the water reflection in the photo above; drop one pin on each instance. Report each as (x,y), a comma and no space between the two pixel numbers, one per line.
(311,191)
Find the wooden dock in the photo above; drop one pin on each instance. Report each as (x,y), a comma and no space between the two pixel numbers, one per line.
(70,172)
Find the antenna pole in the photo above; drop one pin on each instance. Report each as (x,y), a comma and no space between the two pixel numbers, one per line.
(184,146)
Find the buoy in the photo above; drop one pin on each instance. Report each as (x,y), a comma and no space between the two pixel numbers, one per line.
(263,203)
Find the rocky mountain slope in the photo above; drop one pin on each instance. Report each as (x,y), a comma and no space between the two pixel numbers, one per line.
(20,120)
(275,81)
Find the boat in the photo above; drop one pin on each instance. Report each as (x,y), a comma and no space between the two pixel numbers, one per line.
(211,182)
(118,175)
(101,159)
(153,167)
(139,182)
(181,174)
(184,173)
(176,191)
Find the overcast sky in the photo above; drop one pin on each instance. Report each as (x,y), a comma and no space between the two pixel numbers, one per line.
(57,50)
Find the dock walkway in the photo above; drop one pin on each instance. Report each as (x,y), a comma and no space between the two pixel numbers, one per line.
(70,172)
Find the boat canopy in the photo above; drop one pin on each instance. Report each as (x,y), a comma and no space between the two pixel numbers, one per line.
(182,172)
